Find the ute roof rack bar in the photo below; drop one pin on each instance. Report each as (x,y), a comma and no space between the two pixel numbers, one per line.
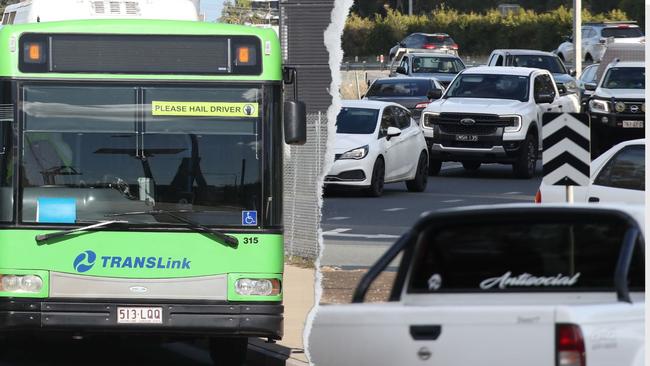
(612,22)
(630,241)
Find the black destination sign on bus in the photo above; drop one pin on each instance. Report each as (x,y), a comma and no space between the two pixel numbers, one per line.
(140,54)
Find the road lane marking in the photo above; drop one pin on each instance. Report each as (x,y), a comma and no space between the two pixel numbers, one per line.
(339,218)
(394,209)
(452,201)
(452,166)
(341,232)
(514,193)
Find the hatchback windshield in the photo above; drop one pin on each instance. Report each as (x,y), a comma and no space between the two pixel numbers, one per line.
(92,151)
(357,120)
(624,78)
(489,86)
(444,65)
(622,32)
(550,63)
(399,88)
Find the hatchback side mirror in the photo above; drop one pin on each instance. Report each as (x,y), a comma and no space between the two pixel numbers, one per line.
(295,123)
(572,71)
(434,94)
(392,132)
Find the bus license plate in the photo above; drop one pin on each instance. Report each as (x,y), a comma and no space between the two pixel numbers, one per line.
(632,124)
(139,315)
(470,138)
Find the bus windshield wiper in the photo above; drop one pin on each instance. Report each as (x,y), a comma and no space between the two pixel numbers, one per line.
(224,238)
(45,237)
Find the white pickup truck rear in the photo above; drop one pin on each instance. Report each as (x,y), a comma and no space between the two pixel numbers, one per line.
(535,286)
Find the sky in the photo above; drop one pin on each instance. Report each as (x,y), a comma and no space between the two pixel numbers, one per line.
(211,9)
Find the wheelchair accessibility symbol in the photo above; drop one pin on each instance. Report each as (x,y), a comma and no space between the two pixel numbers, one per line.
(249,218)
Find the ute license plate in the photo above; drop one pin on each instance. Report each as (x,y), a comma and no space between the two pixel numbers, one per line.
(632,124)
(139,315)
(466,138)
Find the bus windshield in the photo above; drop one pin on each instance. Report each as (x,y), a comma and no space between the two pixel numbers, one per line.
(91,151)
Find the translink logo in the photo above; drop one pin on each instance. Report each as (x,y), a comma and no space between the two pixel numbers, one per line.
(86,260)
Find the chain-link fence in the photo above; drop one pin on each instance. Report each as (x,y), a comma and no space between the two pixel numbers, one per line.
(302,170)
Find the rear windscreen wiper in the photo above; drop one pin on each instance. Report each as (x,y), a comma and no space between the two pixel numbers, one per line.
(45,237)
(225,238)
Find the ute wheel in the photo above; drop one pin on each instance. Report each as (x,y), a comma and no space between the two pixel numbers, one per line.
(434,166)
(419,182)
(377,181)
(228,351)
(524,167)
(471,165)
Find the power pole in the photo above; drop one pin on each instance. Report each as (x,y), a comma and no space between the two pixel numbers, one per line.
(410,7)
(577,36)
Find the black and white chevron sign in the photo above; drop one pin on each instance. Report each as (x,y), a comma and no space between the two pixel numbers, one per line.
(566,156)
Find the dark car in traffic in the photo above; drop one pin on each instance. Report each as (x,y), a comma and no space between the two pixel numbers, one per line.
(411,92)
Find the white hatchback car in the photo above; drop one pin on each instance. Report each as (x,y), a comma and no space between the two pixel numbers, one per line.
(618,175)
(376,143)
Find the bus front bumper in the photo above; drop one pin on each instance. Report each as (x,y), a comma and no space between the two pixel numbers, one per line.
(250,320)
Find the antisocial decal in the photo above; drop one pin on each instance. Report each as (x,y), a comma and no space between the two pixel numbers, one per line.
(205,109)
(528,280)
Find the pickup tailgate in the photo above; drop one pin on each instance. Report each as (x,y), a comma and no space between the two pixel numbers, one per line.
(394,334)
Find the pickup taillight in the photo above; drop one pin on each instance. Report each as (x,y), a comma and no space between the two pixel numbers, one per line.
(429,46)
(538,197)
(570,345)
(421,105)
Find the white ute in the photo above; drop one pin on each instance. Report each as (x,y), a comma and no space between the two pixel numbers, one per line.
(492,115)
(505,285)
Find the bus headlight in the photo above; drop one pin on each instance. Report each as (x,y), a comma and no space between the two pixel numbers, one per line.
(21,283)
(257,287)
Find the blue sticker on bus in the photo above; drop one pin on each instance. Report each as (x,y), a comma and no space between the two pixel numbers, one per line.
(56,210)
(249,218)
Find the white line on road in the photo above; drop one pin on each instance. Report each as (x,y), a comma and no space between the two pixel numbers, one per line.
(514,193)
(339,218)
(452,201)
(341,233)
(394,209)
(452,166)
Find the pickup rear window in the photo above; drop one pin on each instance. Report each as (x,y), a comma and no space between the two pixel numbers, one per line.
(551,257)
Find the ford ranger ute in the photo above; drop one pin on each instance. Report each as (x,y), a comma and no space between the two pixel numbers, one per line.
(506,285)
(492,115)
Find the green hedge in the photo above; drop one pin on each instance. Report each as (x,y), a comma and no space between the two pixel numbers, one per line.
(476,34)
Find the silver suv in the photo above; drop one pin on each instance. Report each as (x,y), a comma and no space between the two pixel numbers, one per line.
(596,37)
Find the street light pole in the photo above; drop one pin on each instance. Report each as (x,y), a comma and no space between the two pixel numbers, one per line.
(410,7)
(577,36)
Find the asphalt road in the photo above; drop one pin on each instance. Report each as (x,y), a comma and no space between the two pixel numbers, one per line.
(357,229)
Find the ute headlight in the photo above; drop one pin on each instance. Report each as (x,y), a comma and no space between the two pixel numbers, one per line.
(619,106)
(571,86)
(598,106)
(428,119)
(257,286)
(515,125)
(356,154)
(20,283)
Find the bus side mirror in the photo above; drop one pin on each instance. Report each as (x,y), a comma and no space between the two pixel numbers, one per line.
(295,123)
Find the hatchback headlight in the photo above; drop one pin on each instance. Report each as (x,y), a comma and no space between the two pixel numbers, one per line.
(356,154)
(598,106)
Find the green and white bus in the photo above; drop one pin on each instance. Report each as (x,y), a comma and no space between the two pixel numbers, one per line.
(141,180)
